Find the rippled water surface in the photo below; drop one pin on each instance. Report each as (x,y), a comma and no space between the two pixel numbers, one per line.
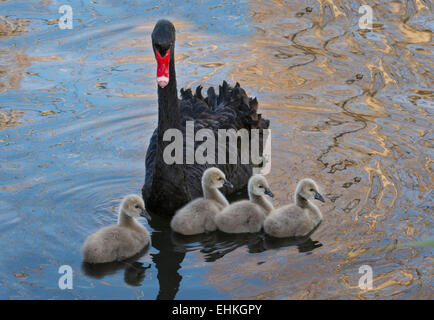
(351,108)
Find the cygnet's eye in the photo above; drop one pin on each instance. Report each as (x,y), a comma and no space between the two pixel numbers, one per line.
(261,187)
(137,206)
(312,190)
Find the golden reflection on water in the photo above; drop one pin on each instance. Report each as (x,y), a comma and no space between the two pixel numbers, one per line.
(341,107)
(12,68)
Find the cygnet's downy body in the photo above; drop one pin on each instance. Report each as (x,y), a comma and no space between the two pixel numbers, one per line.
(247,215)
(297,219)
(121,241)
(198,215)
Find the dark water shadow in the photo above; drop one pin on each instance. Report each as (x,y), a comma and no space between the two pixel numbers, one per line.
(304,244)
(168,260)
(134,271)
(217,244)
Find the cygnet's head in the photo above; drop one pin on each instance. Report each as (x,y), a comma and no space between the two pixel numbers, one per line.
(308,190)
(215,178)
(258,186)
(134,206)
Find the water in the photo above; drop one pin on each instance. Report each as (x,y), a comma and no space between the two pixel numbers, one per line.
(350,108)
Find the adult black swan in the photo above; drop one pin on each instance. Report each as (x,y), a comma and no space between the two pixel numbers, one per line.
(169,186)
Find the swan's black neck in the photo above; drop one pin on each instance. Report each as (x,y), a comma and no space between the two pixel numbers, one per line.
(168,179)
(168,110)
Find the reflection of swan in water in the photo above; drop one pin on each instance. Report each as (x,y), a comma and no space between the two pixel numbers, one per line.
(304,243)
(167,260)
(134,271)
(217,244)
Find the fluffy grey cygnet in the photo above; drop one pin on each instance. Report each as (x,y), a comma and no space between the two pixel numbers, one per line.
(121,241)
(247,215)
(198,215)
(299,218)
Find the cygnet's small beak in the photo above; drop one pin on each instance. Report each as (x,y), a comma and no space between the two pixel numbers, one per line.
(319,197)
(269,193)
(145,214)
(228,184)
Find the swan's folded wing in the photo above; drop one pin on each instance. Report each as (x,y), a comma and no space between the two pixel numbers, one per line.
(230,109)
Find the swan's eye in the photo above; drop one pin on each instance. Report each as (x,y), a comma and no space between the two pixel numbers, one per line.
(137,206)
(312,190)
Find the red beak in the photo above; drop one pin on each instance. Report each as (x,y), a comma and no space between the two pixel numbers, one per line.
(162,68)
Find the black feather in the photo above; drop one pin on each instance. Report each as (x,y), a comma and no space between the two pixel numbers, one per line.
(231,109)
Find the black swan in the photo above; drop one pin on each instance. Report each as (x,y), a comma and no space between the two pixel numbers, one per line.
(170,186)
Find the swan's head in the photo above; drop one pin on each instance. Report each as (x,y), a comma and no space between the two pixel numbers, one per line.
(163,43)
(308,190)
(258,186)
(215,178)
(133,206)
